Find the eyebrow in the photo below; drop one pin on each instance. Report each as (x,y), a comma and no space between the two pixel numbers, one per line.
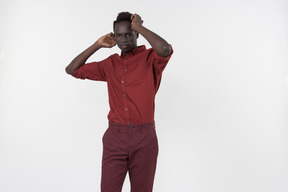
(124,33)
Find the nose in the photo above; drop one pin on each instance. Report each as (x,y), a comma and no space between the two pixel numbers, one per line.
(123,38)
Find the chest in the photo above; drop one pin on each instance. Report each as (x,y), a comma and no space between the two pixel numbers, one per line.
(130,70)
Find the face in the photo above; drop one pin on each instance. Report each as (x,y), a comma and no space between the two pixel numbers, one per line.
(125,38)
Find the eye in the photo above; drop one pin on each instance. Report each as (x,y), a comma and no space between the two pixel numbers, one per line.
(128,35)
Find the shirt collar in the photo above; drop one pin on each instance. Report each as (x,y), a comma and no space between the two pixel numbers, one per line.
(134,51)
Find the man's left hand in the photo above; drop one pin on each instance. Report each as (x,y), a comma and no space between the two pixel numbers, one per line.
(136,22)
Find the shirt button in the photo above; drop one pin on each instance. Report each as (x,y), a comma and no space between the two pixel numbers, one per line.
(122,81)
(126,109)
(124,95)
(125,70)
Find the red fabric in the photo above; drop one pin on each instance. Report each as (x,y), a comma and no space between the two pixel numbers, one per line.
(129,148)
(133,81)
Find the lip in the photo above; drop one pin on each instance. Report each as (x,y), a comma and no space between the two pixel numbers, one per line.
(124,46)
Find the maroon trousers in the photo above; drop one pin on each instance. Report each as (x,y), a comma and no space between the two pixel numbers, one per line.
(132,148)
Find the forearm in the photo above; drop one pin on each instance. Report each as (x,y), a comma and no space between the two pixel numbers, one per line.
(160,45)
(82,58)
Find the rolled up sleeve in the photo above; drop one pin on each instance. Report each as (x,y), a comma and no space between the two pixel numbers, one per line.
(93,71)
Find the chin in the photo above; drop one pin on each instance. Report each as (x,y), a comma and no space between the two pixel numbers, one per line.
(126,50)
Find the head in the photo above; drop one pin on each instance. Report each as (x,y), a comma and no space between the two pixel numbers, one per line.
(125,37)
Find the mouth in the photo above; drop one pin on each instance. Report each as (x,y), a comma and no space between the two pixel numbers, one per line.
(124,46)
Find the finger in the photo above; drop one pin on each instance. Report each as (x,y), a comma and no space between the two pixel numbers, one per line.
(112,40)
(133,16)
(136,15)
(110,36)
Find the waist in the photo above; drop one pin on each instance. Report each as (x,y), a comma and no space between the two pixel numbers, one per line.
(131,126)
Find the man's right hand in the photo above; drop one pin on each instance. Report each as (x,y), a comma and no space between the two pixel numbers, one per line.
(107,41)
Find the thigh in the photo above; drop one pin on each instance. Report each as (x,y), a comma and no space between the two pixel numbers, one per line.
(143,160)
(114,161)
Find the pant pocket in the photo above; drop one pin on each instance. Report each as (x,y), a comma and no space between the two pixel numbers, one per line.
(155,139)
(105,135)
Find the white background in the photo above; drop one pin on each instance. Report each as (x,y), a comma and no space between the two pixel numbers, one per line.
(221,110)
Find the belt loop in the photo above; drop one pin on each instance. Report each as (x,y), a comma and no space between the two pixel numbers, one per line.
(140,128)
(119,128)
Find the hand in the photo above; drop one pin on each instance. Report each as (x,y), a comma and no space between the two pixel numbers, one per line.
(107,41)
(136,22)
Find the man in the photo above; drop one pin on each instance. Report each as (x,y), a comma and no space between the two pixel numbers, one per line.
(133,78)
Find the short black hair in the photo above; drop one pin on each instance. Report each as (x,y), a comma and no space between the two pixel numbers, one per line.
(123,16)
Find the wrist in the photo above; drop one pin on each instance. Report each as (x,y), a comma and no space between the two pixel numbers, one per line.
(136,27)
(97,44)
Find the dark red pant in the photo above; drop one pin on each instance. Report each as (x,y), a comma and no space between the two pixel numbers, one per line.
(132,148)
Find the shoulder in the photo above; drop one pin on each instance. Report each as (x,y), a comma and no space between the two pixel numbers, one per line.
(111,59)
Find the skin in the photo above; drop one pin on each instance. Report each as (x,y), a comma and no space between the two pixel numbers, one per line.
(126,35)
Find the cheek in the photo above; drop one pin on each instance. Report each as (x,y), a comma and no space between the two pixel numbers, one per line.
(133,39)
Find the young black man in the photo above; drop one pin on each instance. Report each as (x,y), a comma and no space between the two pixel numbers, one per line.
(133,78)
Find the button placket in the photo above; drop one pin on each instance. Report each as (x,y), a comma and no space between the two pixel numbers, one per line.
(123,86)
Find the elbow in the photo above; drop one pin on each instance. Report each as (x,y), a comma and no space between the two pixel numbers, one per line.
(166,51)
(68,70)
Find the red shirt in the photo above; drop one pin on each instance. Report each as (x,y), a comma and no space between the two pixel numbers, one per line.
(133,81)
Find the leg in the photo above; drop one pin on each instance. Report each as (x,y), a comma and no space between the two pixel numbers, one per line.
(114,161)
(142,161)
